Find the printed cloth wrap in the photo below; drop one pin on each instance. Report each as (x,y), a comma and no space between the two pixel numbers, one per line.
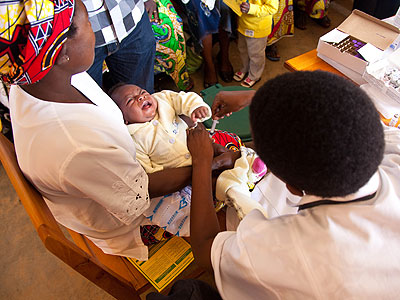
(283,22)
(170,46)
(32,33)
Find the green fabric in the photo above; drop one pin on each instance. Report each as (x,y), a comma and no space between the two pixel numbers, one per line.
(238,122)
(170,47)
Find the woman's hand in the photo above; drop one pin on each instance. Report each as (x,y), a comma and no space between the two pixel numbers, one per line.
(152,11)
(225,160)
(199,144)
(226,102)
(219,149)
(199,113)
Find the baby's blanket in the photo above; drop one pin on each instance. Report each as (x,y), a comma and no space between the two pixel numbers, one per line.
(171,212)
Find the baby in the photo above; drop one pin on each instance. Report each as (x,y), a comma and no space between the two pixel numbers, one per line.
(155,126)
(159,132)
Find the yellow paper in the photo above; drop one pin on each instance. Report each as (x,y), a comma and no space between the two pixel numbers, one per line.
(234,5)
(167,259)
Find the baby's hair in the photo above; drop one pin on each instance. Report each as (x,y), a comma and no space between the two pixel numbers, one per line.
(114,87)
(318,132)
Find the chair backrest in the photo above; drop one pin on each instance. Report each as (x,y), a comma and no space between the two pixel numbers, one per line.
(111,273)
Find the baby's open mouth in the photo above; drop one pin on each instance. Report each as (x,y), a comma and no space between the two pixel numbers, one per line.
(146,104)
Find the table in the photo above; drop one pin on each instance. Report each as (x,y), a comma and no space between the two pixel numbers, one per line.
(309,61)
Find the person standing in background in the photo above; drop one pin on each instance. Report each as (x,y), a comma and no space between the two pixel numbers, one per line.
(283,26)
(124,40)
(317,10)
(254,27)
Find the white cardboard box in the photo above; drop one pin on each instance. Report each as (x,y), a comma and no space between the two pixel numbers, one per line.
(374,73)
(378,35)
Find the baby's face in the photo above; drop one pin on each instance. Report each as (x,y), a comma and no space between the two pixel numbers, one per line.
(136,104)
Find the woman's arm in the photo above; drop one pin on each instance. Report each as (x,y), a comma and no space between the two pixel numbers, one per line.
(169,181)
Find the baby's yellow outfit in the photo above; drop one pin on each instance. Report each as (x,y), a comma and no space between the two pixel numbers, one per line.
(161,142)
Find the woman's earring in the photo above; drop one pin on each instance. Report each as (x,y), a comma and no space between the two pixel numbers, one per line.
(67,57)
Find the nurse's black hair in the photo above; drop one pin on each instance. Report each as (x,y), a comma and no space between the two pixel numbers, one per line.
(318,132)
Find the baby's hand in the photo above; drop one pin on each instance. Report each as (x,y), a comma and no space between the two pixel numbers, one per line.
(245,7)
(199,113)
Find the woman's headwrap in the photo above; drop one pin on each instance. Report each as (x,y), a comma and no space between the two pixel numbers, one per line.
(31,35)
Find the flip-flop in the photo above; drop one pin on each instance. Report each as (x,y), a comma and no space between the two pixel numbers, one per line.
(249,82)
(271,52)
(239,76)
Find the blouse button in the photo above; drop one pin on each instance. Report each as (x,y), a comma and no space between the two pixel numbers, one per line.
(187,155)
(155,122)
(172,141)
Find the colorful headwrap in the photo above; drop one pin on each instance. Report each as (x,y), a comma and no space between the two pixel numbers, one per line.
(31,35)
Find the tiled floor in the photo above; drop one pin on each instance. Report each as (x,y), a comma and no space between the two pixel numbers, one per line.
(30,272)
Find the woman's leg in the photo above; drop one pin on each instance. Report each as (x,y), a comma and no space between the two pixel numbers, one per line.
(210,75)
(225,67)
(271,52)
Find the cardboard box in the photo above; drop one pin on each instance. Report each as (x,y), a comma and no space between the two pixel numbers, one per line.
(378,35)
(375,75)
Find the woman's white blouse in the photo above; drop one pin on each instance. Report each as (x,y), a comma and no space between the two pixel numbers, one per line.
(82,160)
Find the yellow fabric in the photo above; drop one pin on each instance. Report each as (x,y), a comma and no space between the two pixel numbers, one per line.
(257,23)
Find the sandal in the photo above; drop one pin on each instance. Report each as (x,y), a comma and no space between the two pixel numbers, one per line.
(238,76)
(323,22)
(249,82)
(271,52)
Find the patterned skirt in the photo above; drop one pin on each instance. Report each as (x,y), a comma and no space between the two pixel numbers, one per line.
(283,22)
(170,45)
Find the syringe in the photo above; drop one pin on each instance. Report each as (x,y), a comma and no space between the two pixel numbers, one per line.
(214,124)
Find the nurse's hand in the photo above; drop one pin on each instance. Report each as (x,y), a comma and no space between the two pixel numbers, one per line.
(227,102)
(199,144)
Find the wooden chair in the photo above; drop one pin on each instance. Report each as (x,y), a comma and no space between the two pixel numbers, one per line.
(114,274)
